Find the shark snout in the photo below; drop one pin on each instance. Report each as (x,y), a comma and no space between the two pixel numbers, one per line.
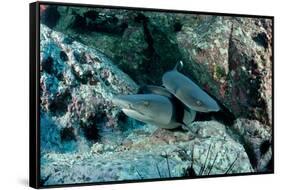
(122,101)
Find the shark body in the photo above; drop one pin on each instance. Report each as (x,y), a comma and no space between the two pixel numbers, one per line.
(170,107)
(149,108)
(189,93)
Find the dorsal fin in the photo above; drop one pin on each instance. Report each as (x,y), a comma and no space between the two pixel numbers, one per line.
(178,66)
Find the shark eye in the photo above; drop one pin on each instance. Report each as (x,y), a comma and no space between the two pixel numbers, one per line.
(199,103)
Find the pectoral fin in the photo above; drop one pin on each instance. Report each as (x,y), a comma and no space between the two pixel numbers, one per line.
(189,116)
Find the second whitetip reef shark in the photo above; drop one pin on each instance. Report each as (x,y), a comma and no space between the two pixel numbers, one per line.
(171,106)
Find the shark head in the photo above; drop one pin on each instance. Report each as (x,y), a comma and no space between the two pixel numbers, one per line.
(189,93)
(148,108)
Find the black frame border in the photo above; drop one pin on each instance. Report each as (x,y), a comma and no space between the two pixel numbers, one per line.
(34,92)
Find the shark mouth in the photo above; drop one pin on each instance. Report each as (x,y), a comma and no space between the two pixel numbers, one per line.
(129,110)
(137,115)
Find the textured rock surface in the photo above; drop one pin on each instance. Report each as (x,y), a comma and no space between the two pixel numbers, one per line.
(237,55)
(231,58)
(147,152)
(257,141)
(132,39)
(77,84)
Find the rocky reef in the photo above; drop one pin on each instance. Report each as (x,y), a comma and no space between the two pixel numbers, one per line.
(148,152)
(76,83)
(230,57)
(89,55)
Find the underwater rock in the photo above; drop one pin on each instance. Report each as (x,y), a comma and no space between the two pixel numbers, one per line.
(133,40)
(232,59)
(257,140)
(77,83)
(116,33)
(152,153)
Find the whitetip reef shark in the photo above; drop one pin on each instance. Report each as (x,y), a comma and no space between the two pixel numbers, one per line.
(172,106)
(149,108)
(189,93)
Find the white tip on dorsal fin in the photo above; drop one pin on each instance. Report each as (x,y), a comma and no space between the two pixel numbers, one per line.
(179,65)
